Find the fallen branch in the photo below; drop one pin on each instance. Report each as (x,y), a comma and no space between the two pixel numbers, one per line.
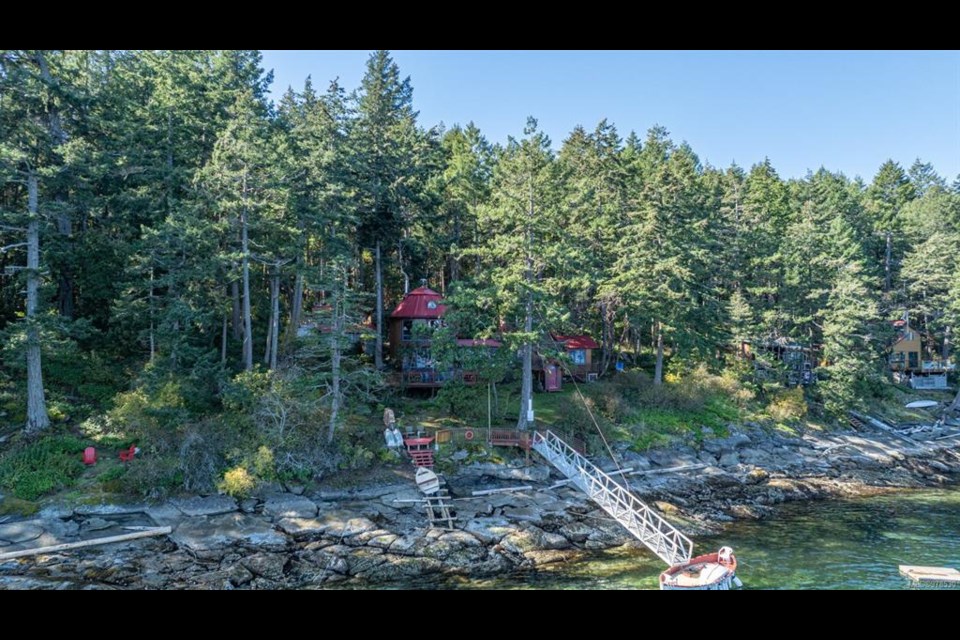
(689,467)
(486,492)
(157,531)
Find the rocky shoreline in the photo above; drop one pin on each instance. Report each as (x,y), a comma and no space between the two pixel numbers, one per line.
(378,535)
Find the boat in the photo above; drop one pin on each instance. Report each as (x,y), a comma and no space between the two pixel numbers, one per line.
(922,404)
(709,572)
(427,481)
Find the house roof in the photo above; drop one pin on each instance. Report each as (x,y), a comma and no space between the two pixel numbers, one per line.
(577,342)
(422,302)
(477,342)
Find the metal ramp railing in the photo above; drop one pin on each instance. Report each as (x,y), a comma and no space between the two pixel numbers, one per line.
(657,534)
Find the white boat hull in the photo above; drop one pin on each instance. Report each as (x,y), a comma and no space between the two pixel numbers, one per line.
(427,481)
(709,572)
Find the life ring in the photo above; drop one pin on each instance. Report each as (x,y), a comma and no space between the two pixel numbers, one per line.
(468,434)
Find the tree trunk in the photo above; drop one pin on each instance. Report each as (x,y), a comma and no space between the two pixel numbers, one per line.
(886,263)
(275,315)
(607,333)
(454,258)
(947,335)
(658,369)
(526,389)
(335,384)
(223,342)
(65,288)
(378,353)
(525,420)
(37,418)
(58,137)
(955,405)
(269,349)
(64,225)
(337,330)
(403,272)
(247,323)
(236,320)
(65,293)
(296,308)
(153,340)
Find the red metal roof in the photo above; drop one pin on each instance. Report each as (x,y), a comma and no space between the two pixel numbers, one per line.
(476,342)
(420,303)
(577,342)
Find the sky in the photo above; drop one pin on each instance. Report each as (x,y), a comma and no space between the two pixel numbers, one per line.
(848,111)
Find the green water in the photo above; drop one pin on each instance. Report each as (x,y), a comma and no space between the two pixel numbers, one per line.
(851,544)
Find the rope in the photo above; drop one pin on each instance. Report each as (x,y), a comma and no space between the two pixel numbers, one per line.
(582,399)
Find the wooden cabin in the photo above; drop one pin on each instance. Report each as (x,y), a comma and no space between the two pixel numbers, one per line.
(581,367)
(908,363)
(411,328)
(799,360)
(580,349)
(905,355)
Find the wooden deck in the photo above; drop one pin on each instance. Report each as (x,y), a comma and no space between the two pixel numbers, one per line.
(502,437)
(931,577)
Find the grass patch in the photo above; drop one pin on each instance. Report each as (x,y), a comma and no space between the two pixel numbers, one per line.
(549,408)
(31,469)
(17,507)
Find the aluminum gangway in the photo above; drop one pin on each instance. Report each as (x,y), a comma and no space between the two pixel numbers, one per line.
(648,527)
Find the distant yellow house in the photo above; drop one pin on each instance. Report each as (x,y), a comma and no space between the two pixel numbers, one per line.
(907,350)
(907,362)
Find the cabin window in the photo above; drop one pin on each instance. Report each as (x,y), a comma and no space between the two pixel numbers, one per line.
(914,359)
(406,330)
(579,356)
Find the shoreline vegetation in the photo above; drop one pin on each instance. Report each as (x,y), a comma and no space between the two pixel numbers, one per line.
(370,534)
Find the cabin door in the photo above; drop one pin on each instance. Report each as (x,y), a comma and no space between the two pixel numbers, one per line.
(552,378)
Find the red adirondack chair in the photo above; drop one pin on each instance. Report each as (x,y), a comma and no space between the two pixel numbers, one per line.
(128,454)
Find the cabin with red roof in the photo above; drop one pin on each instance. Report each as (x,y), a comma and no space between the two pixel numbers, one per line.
(411,328)
(579,348)
(580,366)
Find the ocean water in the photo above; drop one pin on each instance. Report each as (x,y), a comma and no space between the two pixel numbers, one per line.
(837,544)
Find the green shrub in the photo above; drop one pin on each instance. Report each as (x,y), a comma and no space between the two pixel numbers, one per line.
(114,473)
(31,469)
(111,480)
(152,477)
(264,464)
(237,482)
(788,405)
(463,401)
